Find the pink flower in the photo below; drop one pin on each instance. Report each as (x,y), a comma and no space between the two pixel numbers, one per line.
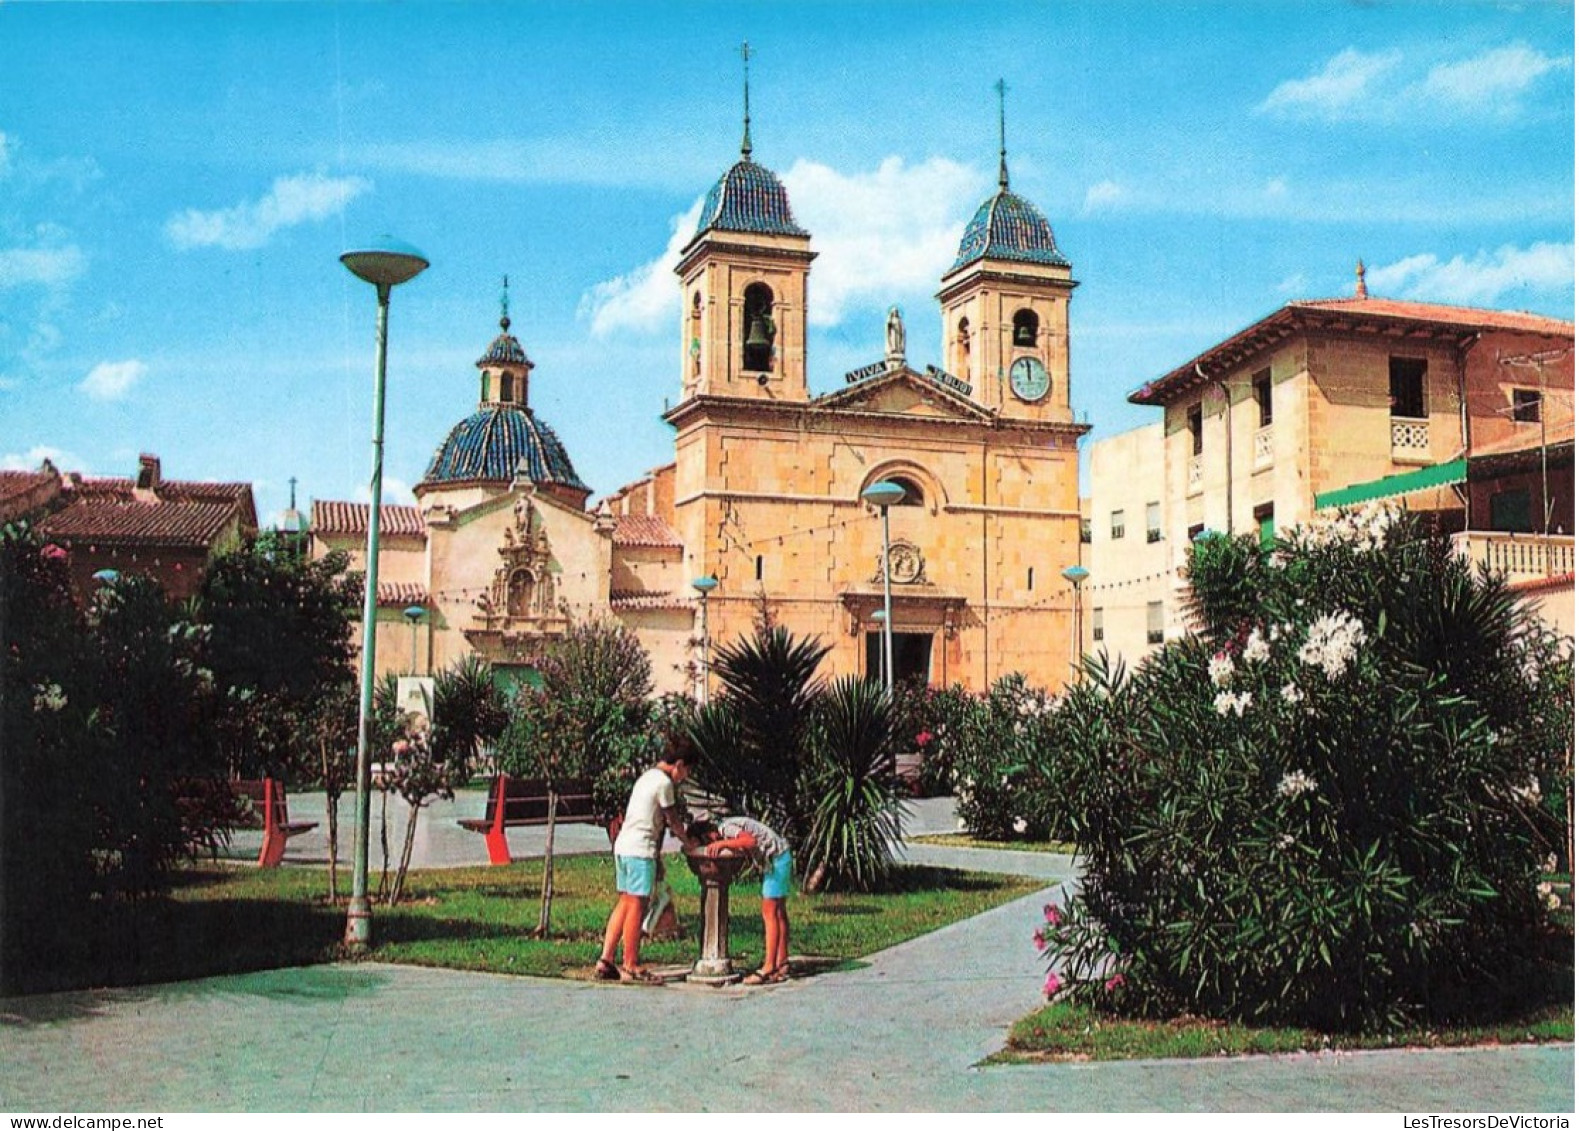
(52,553)
(400,748)
(1113,983)
(1050,912)
(1053,984)
(1040,940)
(923,738)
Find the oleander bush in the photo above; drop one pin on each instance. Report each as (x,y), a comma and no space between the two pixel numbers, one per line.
(1000,776)
(1325,807)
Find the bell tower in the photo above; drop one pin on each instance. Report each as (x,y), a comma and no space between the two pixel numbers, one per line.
(1005,305)
(743,285)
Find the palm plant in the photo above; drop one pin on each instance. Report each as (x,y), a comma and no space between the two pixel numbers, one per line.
(855,821)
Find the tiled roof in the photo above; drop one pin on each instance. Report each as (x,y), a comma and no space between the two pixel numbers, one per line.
(24,491)
(749,198)
(351,518)
(644,530)
(504,348)
(1356,314)
(492,443)
(1007,226)
(1527,439)
(1536,584)
(641,599)
(399,594)
(127,522)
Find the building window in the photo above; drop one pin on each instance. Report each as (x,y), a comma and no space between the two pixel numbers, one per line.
(1030,578)
(1262,384)
(506,388)
(1085,531)
(962,366)
(913,496)
(1025,327)
(1195,532)
(1192,419)
(1116,526)
(1526,406)
(1406,386)
(757,354)
(759,567)
(1154,522)
(1096,625)
(1266,525)
(1510,512)
(1153,622)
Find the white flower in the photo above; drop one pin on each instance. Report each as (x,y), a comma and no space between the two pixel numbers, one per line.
(1295,784)
(1019,824)
(959,823)
(1528,794)
(1220,669)
(1227,701)
(1256,648)
(1285,841)
(49,697)
(1332,642)
(1292,694)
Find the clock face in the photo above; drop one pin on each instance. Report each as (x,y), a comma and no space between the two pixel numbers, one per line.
(1028,378)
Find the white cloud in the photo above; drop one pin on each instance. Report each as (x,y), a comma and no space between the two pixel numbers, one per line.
(1295,284)
(290,201)
(1481,279)
(1276,189)
(40,266)
(1105,194)
(33,457)
(112,380)
(646,299)
(1342,83)
(879,235)
(392,492)
(1494,78)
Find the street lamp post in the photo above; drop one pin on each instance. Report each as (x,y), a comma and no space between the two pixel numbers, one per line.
(881,618)
(386,264)
(1076,576)
(414,614)
(882,495)
(705,586)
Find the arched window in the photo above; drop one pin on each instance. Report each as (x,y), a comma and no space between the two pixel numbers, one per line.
(757,354)
(1025,326)
(522,587)
(962,345)
(913,496)
(506,387)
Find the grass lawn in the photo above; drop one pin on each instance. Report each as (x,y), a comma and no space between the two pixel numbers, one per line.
(963,840)
(221,919)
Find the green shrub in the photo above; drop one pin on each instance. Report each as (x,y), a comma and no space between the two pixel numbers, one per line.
(1000,779)
(1324,808)
(937,723)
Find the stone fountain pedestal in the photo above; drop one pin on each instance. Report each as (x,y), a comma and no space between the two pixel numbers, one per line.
(715,873)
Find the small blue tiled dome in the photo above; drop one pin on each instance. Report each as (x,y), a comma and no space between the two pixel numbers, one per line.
(749,198)
(491,444)
(1008,226)
(506,348)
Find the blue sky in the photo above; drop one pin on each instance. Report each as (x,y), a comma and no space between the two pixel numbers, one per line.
(177,182)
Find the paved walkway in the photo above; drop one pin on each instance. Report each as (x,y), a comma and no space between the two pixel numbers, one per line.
(905,1033)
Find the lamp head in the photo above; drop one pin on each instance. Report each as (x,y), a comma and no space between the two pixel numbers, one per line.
(107,576)
(1076,574)
(414,613)
(883,493)
(705,585)
(385,262)
(880,616)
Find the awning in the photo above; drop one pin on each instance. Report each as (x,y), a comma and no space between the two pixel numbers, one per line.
(1391,486)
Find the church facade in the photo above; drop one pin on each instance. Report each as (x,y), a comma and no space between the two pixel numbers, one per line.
(764,498)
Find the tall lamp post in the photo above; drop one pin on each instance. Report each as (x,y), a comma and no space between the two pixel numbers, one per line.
(1076,576)
(882,495)
(704,586)
(880,618)
(386,264)
(414,614)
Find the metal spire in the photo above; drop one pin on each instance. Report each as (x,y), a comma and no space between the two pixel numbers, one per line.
(745,142)
(1003,149)
(504,306)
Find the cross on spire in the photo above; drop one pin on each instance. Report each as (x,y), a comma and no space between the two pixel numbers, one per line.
(1003,149)
(745,62)
(504,305)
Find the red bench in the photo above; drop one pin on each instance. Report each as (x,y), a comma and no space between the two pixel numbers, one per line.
(263,807)
(518,802)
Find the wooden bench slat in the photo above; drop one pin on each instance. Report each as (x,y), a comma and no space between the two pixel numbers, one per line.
(525,803)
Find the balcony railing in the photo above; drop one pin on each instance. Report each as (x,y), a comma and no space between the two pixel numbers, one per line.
(1520,557)
(1411,440)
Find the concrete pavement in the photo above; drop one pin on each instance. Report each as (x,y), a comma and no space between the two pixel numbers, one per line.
(904,1033)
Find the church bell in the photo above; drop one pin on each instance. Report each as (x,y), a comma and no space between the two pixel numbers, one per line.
(758,336)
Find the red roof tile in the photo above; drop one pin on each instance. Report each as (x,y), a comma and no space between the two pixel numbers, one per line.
(402,593)
(1469,316)
(640,599)
(351,518)
(126,522)
(1527,439)
(645,530)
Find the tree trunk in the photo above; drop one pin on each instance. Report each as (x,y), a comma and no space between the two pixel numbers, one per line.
(548,867)
(383,840)
(332,806)
(405,854)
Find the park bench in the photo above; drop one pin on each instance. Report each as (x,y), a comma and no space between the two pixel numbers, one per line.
(263,806)
(517,802)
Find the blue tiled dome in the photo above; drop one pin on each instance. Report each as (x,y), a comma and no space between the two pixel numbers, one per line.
(749,198)
(504,348)
(1008,226)
(491,443)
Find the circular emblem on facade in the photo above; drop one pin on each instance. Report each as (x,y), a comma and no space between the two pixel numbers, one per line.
(905,564)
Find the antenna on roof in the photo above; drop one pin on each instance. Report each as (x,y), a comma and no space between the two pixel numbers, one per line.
(745,62)
(1003,149)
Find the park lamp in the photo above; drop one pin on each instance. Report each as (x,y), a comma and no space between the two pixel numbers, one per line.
(414,615)
(386,263)
(1076,576)
(704,587)
(882,495)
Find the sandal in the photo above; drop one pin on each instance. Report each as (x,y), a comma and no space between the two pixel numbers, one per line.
(605,971)
(758,978)
(782,974)
(639,975)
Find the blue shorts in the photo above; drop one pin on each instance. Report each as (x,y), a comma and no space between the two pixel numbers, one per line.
(777,876)
(635,875)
